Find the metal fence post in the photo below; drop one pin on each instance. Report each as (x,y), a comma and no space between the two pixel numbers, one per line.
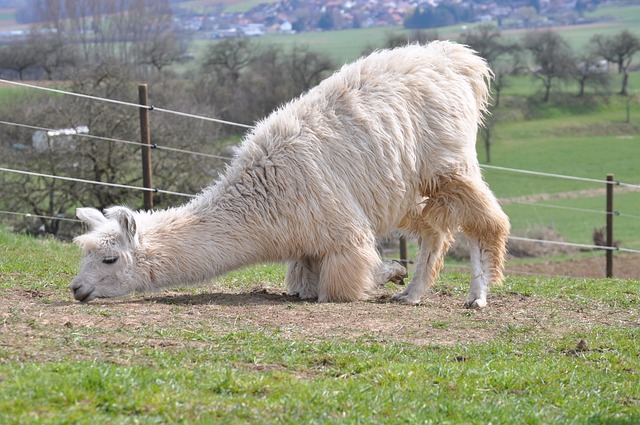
(610,213)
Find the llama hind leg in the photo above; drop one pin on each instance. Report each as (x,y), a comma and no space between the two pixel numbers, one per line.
(302,278)
(487,233)
(487,228)
(434,244)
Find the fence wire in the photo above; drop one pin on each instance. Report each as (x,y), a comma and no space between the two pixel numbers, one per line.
(72,179)
(127,142)
(129,104)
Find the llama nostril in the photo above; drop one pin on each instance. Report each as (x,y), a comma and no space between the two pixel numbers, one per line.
(76,288)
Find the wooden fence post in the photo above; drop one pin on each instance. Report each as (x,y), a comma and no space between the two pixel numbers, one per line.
(610,213)
(403,252)
(145,138)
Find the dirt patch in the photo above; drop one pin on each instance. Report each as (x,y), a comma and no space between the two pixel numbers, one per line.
(46,325)
(625,266)
(587,193)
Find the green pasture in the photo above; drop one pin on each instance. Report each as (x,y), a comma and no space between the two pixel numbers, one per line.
(230,6)
(575,219)
(239,7)
(576,363)
(570,137)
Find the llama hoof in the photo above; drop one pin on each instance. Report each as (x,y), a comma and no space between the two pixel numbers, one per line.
(477,304)
(404,298)
(303,295)
(393,271)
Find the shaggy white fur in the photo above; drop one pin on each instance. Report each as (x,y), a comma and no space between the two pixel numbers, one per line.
(387,142)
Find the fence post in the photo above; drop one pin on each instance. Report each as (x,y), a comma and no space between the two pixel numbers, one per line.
(610,213)
(145,138)
(403,251)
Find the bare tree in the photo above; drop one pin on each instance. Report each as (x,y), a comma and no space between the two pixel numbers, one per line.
(229,57)
(618,49)
(308,67)
(19,57)
(501,55)
(245,81)
(398,39)
(52,53)
(552,56)
(129,31)
(590,71)
(503,60)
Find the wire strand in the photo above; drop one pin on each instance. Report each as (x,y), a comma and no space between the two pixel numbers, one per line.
(200,117)
(539,173)
(121,186)
(84,96)
(560,207)
(120,102)
(40,216)
(577,245)
(128,142)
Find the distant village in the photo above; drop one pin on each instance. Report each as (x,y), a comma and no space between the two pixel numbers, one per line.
(295,16)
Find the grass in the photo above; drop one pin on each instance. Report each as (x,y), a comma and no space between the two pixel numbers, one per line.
(214,370)
(230,6)
(372,384)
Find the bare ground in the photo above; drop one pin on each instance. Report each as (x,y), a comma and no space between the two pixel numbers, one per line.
(625,266)
(46,325)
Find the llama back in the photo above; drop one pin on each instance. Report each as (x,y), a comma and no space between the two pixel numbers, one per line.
(376,132)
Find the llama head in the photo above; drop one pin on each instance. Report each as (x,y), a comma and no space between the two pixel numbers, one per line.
(108,268)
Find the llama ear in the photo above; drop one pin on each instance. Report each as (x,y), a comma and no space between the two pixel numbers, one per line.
(90,216)
(126,220)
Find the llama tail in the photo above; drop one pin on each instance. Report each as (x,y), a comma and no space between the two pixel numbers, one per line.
(466,62)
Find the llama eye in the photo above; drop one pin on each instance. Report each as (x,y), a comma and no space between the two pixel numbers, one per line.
(110,260)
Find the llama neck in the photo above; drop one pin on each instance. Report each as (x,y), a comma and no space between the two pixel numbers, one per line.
(199,241)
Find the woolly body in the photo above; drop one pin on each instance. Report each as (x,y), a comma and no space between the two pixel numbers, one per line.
(386,142)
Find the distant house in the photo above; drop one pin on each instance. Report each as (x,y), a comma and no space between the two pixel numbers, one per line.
(253,30)
(286,27)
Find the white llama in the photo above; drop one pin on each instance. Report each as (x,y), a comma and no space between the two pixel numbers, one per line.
(387,142)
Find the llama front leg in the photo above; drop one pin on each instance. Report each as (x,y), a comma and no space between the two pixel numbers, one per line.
(349,274)
(302,278)
(433,246)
